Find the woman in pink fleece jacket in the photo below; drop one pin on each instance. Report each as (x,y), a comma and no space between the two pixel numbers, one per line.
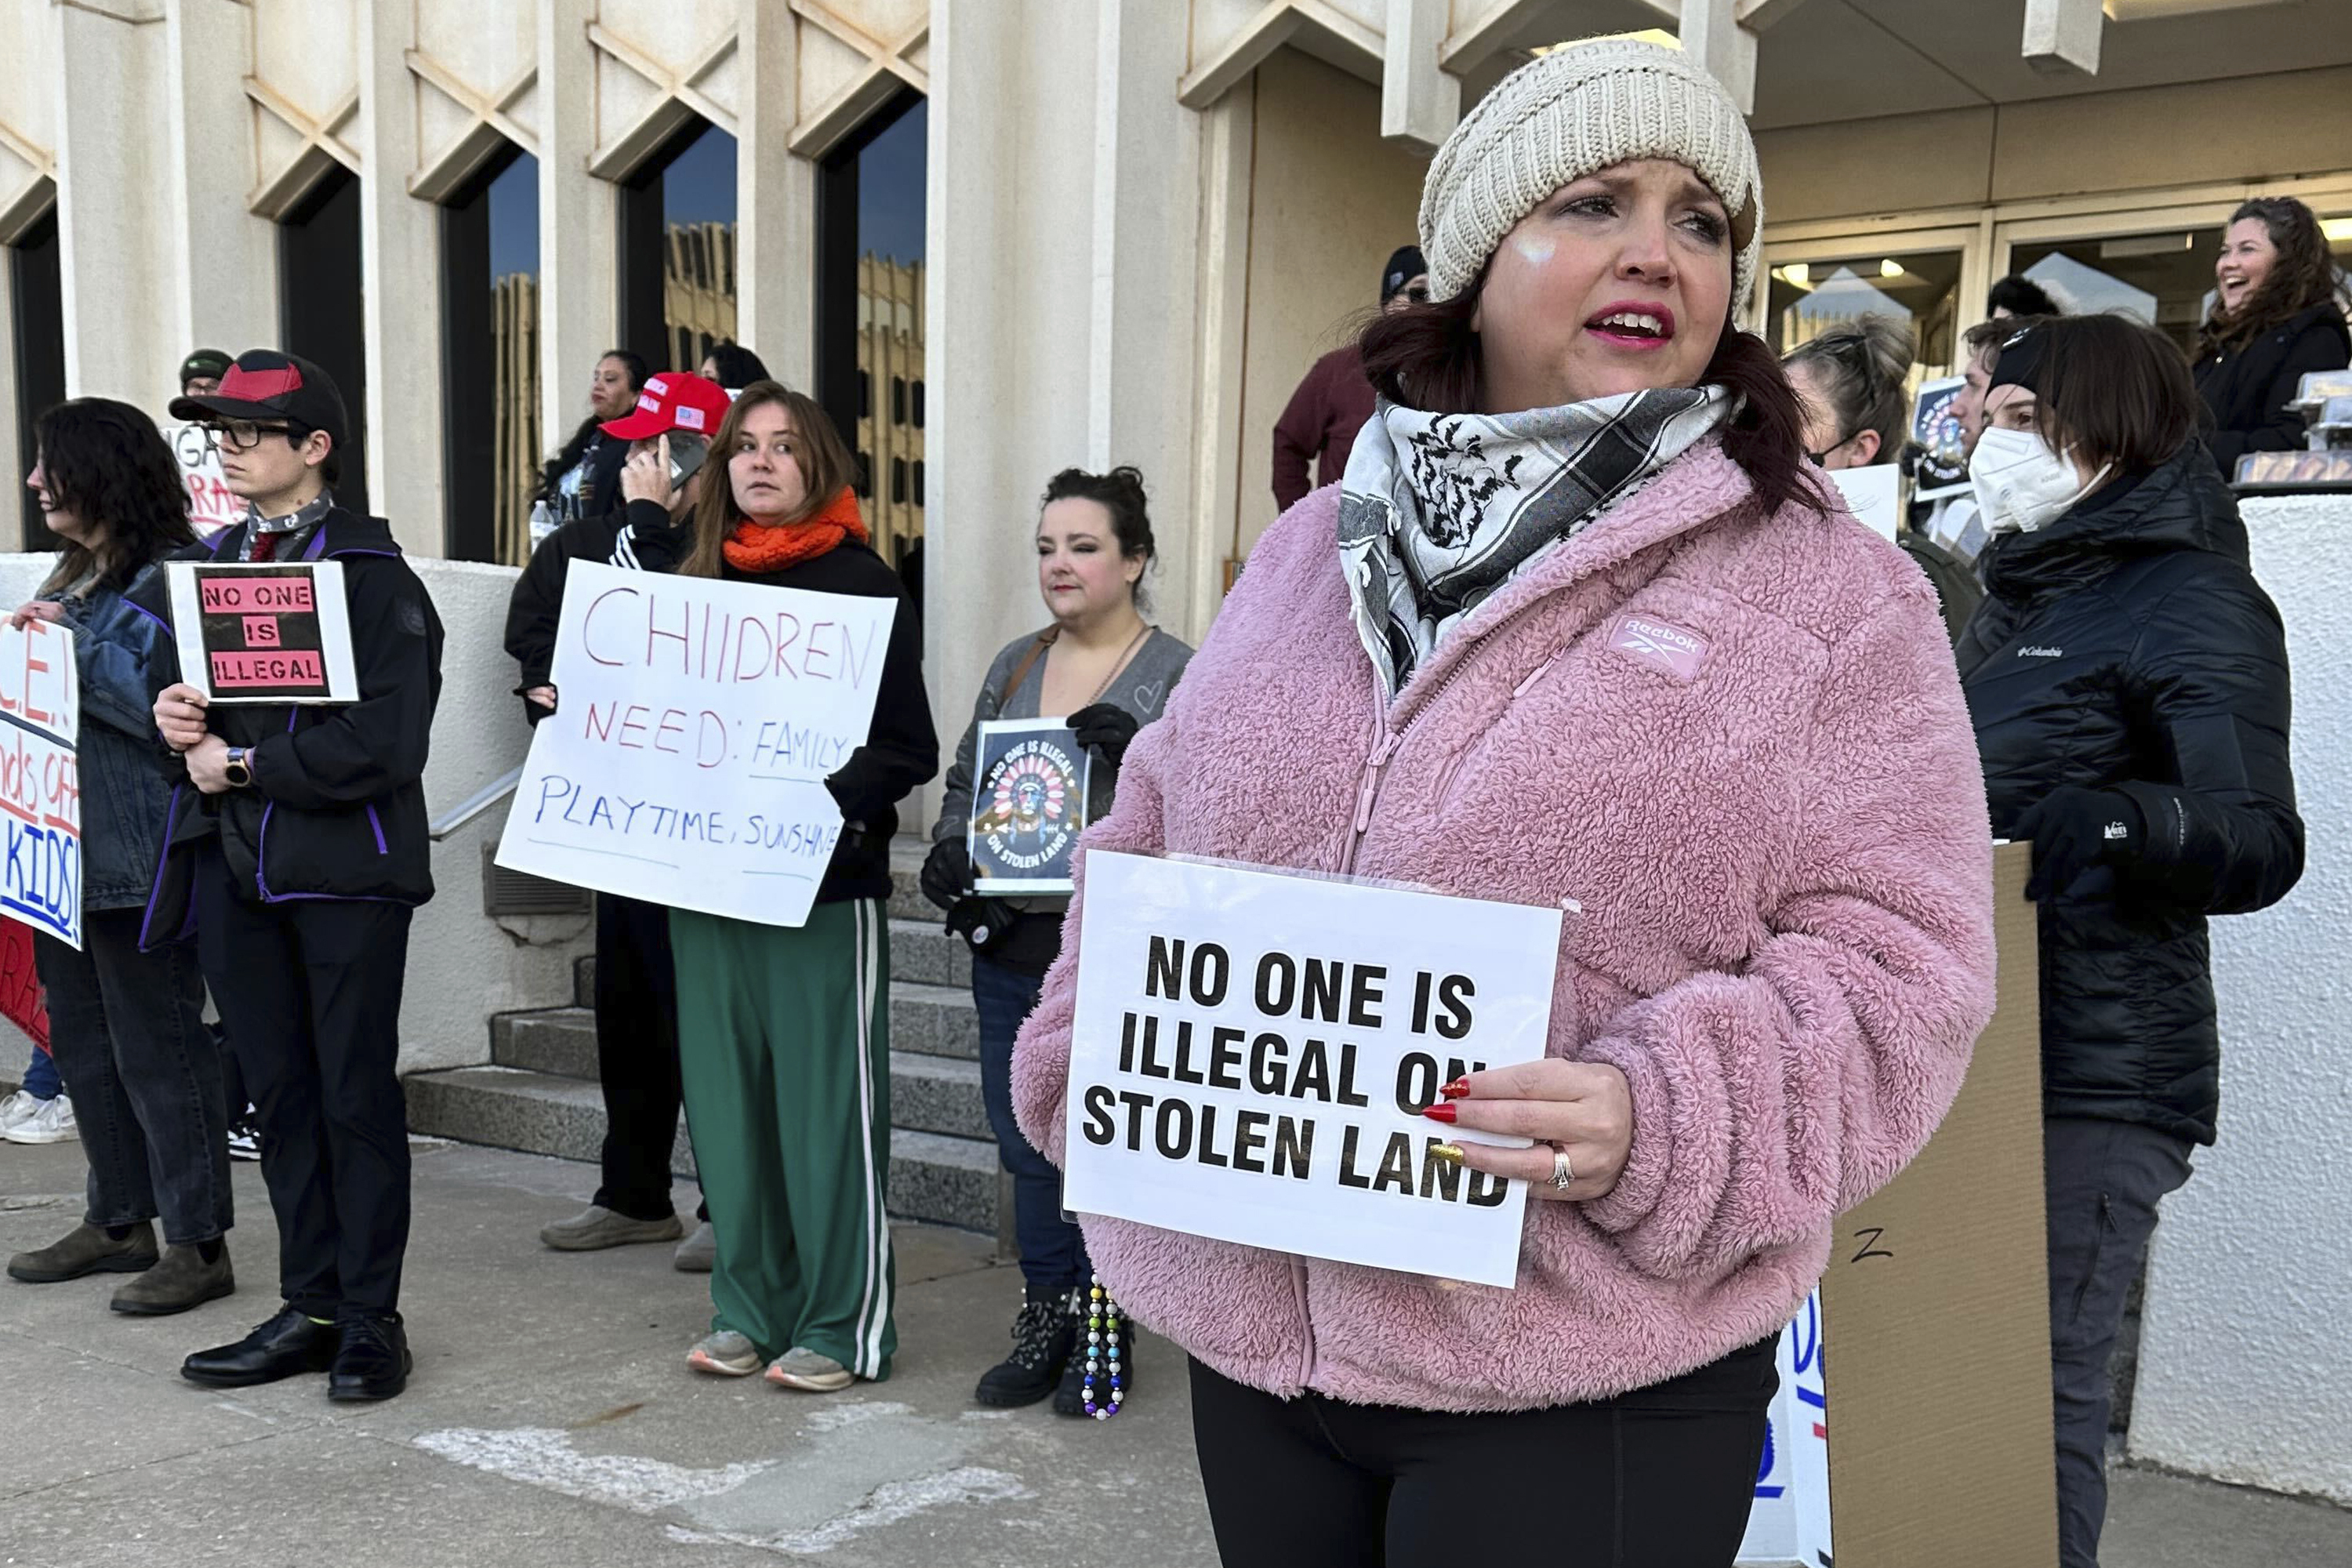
(1577,624)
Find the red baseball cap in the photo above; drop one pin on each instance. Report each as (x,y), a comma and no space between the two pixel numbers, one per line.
(673,400)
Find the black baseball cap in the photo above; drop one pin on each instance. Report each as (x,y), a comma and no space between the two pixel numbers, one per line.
(262,383)
(1404,266)
(208,362)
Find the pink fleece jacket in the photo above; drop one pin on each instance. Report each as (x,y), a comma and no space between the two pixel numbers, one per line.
(1738,742)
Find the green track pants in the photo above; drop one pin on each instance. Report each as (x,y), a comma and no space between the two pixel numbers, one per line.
(784,1052)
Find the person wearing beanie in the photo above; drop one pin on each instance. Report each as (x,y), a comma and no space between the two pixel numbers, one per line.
(1319,423)
(296,851)
(1580,581)
(201,372)
(667,438)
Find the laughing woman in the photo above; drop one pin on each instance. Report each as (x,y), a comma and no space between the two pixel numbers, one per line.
(1580,582)
(785,1032)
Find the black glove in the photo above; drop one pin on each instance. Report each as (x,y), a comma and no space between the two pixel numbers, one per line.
(1106,727)
(946,872)
(2075,829)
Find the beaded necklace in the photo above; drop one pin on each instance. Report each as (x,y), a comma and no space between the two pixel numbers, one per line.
(1102,1353)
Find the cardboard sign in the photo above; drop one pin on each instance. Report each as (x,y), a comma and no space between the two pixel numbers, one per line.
(212,505)
(1937,1294)
(1028,805)
(696,721)
(275,632)
(40,784)
(1251,1053)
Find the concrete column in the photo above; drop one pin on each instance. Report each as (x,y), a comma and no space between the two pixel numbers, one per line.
(1421,102)
(400,258)
(223,257)
(775,199)
(578,242)
(119,266)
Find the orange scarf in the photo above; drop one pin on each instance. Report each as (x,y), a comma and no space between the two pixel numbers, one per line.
(759,549)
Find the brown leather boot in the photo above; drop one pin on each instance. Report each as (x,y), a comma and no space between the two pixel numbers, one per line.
(86,1249)
(182,1280)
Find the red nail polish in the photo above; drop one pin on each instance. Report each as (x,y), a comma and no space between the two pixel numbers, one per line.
(1457,1089)
(1440,1111)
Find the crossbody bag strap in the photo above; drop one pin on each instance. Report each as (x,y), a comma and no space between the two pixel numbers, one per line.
(1045,640)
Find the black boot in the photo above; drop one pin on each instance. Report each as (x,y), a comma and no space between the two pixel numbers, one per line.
(1044,1334)
(1070,1398)
(373,1361)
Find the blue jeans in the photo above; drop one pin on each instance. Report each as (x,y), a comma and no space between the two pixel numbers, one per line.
(128,1031)
(1053,1251)
(41,1080)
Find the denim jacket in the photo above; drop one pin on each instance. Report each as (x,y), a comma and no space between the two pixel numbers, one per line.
(123,793)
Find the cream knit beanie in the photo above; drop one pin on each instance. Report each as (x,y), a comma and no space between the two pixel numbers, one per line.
(1574,112)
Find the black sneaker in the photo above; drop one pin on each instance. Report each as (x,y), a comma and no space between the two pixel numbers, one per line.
(1070,1398)
(1044,1334)
(244,1140)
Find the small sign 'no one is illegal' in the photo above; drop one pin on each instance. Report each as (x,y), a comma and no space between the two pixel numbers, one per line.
(274,632)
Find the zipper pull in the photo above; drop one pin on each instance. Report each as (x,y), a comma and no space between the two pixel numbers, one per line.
(1373,766)
(1522,688)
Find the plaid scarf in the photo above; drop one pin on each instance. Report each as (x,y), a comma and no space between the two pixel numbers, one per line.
(1438,511)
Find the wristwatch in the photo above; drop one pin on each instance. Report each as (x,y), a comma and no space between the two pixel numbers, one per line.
(236,770)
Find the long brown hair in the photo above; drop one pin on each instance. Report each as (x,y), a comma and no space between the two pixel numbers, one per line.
(2303,275)
(1428,357)
(817,450)
(107,463)
(2111,390)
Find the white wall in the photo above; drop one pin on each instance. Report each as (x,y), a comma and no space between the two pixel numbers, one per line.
(463,967)
(2245,1370)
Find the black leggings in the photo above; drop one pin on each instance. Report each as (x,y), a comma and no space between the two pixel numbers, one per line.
(1660,1478)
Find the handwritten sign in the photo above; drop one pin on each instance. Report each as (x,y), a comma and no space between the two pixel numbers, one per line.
(212,505)
(40,784)
(695,724)
(1028,805)
(1252,1052)
(274,632)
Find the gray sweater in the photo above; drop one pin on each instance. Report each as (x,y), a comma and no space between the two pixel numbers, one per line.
(1141,689)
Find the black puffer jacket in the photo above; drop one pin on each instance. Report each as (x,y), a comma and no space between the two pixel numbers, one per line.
(2247,390)
(2127,647)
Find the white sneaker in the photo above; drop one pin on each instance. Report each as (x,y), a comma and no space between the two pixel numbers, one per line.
(52,1122)
(18,1107)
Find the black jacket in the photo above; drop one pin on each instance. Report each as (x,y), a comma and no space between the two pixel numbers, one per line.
(535,607)
(2127,647)
(901,753)
(2247,390)
(336,808)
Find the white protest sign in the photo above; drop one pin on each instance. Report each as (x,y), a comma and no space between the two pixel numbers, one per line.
(1251,1053)
(212,505)
(40,780)
(1873,494)
(696,723)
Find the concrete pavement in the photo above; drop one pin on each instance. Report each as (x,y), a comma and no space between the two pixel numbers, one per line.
(551,1421)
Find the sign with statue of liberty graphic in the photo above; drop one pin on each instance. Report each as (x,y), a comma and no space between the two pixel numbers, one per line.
(1028,807)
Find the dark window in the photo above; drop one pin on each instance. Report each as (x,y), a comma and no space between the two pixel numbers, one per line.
(470,367)
(865,474)
(897,481)
(870,201)
(320,284)
(37,288)
(865,396)
(919,475)
(919,404)
(898,400)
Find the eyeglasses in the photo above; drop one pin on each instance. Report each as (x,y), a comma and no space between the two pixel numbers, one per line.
(241,435)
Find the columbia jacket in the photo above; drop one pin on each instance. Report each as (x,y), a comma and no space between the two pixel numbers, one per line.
(1735,739)
(336,809)
(2127,647)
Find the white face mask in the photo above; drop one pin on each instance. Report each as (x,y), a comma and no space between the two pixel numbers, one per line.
(2020,484)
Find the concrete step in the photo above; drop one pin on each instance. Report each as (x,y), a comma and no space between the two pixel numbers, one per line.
(933,1020)
(938,1094)
(907,901)
(943,1164)
(557,1040)
(926,954)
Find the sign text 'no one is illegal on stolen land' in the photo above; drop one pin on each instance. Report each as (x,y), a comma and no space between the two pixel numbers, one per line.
(1251,1052)
(696,724)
